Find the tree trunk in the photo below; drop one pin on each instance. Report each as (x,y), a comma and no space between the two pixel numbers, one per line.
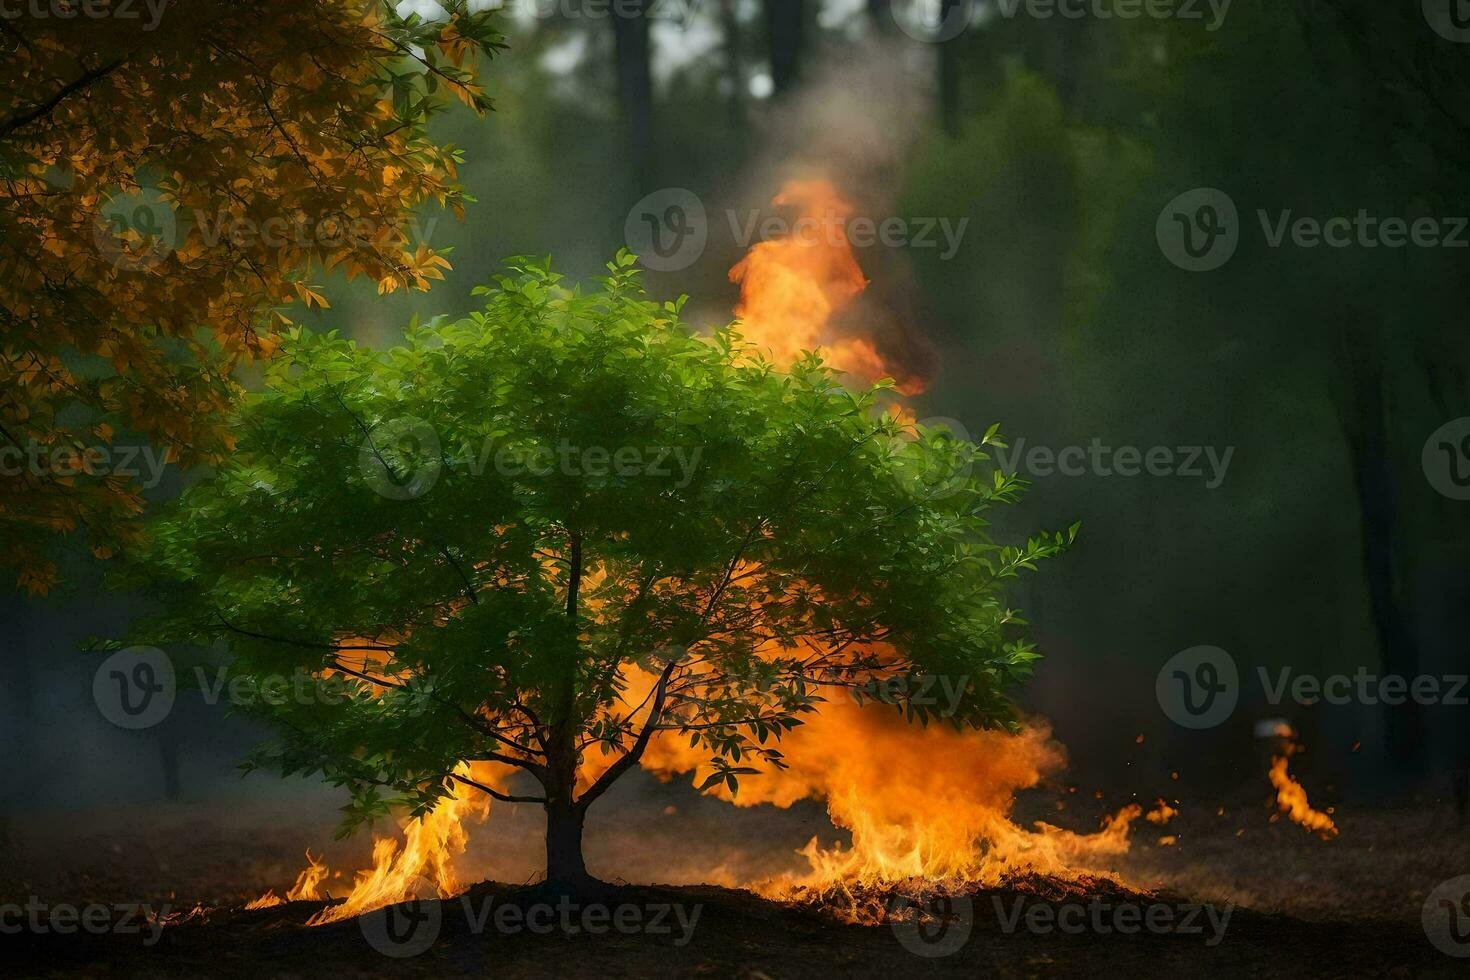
(949,73)
(565,865)
(785,30)
(635,91)
(734,64)
(1365,422)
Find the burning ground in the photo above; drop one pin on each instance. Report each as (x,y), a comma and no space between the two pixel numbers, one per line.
(1303,906)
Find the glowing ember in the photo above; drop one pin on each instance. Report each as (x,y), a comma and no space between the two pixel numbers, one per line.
(1292,798)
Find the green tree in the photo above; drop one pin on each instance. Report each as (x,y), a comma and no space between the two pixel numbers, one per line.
(546,533)
(173,177)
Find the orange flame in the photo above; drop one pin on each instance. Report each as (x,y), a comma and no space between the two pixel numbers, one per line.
(424,862)
(1292,798)
(426,859)
(307,888)
(791,287)
(927,802)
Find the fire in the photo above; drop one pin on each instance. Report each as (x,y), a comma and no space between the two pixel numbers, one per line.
(430,845)
(792,287)
(307,888)
(920,802)
(1292,798)
(426,858)
(927,804)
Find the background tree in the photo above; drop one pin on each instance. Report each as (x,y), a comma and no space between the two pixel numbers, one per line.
(167,188)
(414,520)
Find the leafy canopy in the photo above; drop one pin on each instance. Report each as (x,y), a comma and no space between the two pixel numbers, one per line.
(171,178)
(448,525)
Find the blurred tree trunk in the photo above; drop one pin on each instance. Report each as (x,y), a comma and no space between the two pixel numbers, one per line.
(168,758)
(734,62)
(635,90)
(1363,412)
(880,12)
(949,71)
(785,31)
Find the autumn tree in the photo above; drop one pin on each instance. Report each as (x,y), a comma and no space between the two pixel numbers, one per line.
(172,177)
(543,535)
